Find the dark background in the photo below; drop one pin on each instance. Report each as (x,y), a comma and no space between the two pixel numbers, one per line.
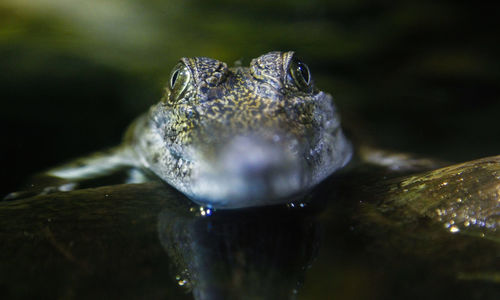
(417,76)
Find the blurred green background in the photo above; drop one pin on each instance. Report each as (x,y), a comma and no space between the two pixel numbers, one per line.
(418,76)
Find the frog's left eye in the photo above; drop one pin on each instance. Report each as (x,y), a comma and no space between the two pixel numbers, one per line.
(300,74)
(179,80)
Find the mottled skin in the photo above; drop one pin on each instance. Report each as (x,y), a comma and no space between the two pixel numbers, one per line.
(240,137)
(230,137)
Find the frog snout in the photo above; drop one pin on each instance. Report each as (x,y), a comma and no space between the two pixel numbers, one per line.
(251,171)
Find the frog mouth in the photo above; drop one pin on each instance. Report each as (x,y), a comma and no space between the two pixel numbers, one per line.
(249,172)
(253,171)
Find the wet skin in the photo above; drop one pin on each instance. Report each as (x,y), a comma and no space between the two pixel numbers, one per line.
(232,137)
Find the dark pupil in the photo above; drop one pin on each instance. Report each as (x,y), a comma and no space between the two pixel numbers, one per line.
(303,71)
(174,78)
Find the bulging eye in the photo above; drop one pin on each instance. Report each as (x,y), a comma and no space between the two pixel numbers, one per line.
(179,80)
(300,74)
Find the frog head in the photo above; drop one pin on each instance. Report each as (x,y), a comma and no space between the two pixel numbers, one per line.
(244,136)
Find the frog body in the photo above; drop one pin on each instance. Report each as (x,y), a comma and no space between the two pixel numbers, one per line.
(232,137)
(255,136)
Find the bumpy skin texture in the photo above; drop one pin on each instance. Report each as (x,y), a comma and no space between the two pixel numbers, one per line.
(239,137)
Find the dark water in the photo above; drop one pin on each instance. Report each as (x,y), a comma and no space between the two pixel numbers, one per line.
(148,241)
(418,76)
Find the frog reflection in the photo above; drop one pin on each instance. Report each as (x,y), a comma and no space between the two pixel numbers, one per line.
(257,254)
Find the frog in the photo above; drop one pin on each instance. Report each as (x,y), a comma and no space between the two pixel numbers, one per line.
(264,136)
(241,137)
(228,137)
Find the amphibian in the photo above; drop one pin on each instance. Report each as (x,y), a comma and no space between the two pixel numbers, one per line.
(231,137)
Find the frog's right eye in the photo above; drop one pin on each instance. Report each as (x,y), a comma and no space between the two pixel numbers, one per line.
(300,74)
(179,80)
